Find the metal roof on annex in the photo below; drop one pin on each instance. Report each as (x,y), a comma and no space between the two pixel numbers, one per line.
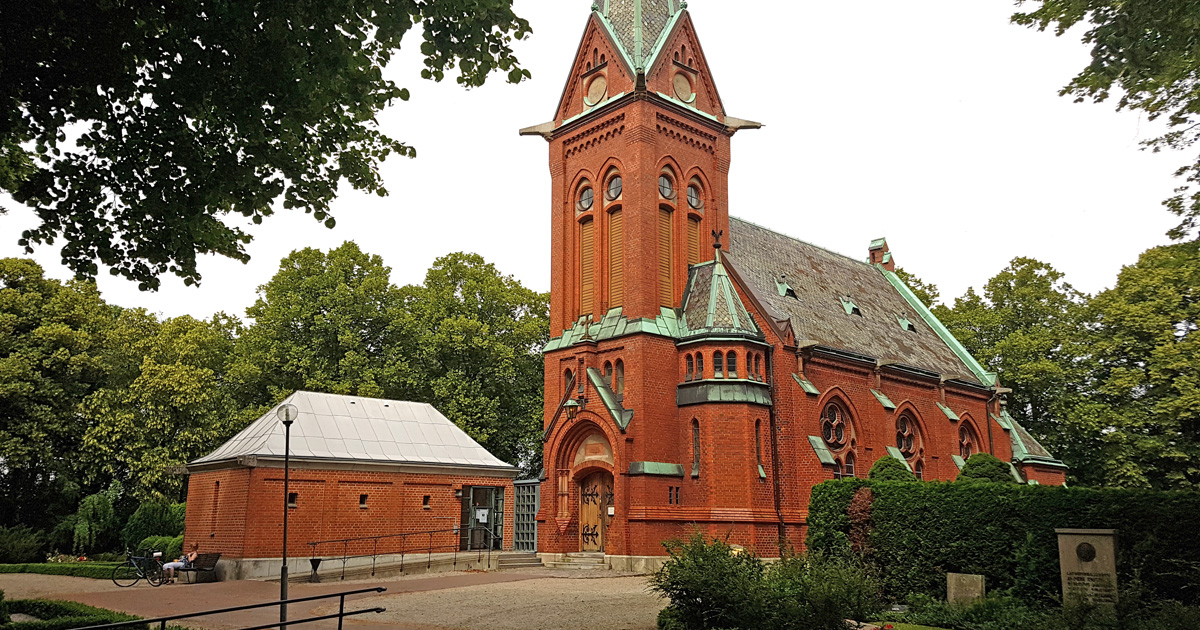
(357,430)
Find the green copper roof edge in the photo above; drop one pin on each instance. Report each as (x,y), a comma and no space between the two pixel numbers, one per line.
(985,377)
(949,412)
(604,105)
(615,40)
(619,414)
(717,335)
(727,290)
(806,385)
(822,451)
(958,461)
(895,453)
(655,468)
(883,399)
(690,107)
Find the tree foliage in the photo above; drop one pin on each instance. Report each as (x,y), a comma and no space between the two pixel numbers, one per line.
(927,292)
(1145,52)
(985,468)
(184,114)
(888,468)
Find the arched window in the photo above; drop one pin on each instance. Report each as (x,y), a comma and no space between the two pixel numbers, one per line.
(568,378)
(758,441)
(919,470)
(608,373)
(613,190)
(619,378)
(587,267)
(834,427)
(699,366)
(718,365)
(758,367)
(731,365)
(695,447)
(968,444)
(837,469)
(687,375)
(850,464)
(908,438)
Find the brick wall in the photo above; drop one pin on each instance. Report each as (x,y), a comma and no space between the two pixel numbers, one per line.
(242,517)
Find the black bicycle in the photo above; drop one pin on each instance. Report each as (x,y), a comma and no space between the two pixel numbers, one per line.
(137,568)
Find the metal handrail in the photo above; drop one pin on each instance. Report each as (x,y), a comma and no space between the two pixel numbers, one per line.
(162,621)
(404,552)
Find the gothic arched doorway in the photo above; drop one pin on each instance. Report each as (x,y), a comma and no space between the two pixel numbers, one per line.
(595,499)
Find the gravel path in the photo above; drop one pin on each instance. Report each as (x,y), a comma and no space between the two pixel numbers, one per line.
(601,603)
(32,585)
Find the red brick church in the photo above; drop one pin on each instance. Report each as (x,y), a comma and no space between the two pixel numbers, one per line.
(705,370)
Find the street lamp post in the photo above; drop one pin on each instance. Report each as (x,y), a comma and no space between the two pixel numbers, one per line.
(287,415)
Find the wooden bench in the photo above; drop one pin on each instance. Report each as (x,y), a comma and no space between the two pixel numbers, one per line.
(204,563)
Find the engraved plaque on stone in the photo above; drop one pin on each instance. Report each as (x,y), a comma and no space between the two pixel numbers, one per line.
(1088,561)
(964,587)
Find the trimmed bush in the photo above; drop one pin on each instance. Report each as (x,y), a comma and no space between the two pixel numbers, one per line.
(920,531)
(171,546)
(153,519)
(94,570)
(711,585)
(3,609)
(20,544)
(1008,613)
(984,468)
(888,468)
(62,615)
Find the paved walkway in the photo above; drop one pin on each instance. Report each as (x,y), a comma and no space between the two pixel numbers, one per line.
(519,599)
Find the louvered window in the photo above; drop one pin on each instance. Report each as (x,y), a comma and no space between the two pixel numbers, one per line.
(587,262)
(665,289)
(616,259)
(693,242)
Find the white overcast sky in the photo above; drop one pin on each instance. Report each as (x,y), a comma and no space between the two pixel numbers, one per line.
(935,123)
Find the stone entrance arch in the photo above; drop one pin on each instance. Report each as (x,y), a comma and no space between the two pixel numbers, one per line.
(584,464)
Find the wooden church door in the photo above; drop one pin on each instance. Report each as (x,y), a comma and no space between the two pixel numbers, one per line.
(595,497)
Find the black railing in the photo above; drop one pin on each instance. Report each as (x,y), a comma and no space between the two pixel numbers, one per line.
(341,614)
(398,545)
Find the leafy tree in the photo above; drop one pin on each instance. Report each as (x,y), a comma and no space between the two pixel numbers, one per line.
(984,468)
(326,322)
(1029,327)
(50,338)
(1145,51)
(20,544)
(888,468)
(167,402)
(152,518)
(477,357)
(925,291)
(1145,416)
(96,520)
(188,112)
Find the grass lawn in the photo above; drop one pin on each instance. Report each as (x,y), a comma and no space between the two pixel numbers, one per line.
(904,626)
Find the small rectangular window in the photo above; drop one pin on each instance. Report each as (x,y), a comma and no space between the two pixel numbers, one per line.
(362,501)
(292,497)
(425,502)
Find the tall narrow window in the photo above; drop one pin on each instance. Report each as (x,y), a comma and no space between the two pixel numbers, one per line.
(758,366)
(619,378)
(919,470)
(216,504)
(693,241)
(837,469)
(731,365)
(699,366)
(758,441)
(616,258)
(718,365)
(695,448)
(587,261)
(849,464)
(687,375)
(568,380)
(608,373)
(665,288)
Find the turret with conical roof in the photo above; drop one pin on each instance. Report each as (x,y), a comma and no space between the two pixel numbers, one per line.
(638,25)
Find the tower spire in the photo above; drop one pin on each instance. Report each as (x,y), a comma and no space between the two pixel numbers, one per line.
(638,24)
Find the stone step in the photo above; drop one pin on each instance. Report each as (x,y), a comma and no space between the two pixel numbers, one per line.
(586,554)
(521,565)
(578,566)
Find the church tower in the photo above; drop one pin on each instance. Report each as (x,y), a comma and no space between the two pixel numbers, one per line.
(639,162)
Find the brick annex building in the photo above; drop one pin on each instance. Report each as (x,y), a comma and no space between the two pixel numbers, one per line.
(687,384)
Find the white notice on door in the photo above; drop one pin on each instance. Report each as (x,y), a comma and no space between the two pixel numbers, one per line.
(481,515)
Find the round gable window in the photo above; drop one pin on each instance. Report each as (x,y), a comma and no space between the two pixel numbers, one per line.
(586,199)
(597,89)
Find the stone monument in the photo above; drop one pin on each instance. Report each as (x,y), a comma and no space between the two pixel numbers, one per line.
(1088,560)
(964,587)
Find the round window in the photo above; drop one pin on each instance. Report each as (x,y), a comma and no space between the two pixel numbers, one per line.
(586,199)
(833,427)
(665,187)
(906,436)
(694,199)
(614,187)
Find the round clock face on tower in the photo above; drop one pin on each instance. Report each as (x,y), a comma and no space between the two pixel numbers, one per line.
(683,88)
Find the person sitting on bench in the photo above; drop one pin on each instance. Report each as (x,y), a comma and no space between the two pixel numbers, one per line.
(182,562)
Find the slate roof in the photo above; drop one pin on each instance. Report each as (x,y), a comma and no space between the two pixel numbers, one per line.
(820,280)
(363,430)
(712,306)
(639,38)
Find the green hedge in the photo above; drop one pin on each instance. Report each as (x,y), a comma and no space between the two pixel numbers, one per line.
(59,615)
(920,531)
(95,570)
(171,546)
